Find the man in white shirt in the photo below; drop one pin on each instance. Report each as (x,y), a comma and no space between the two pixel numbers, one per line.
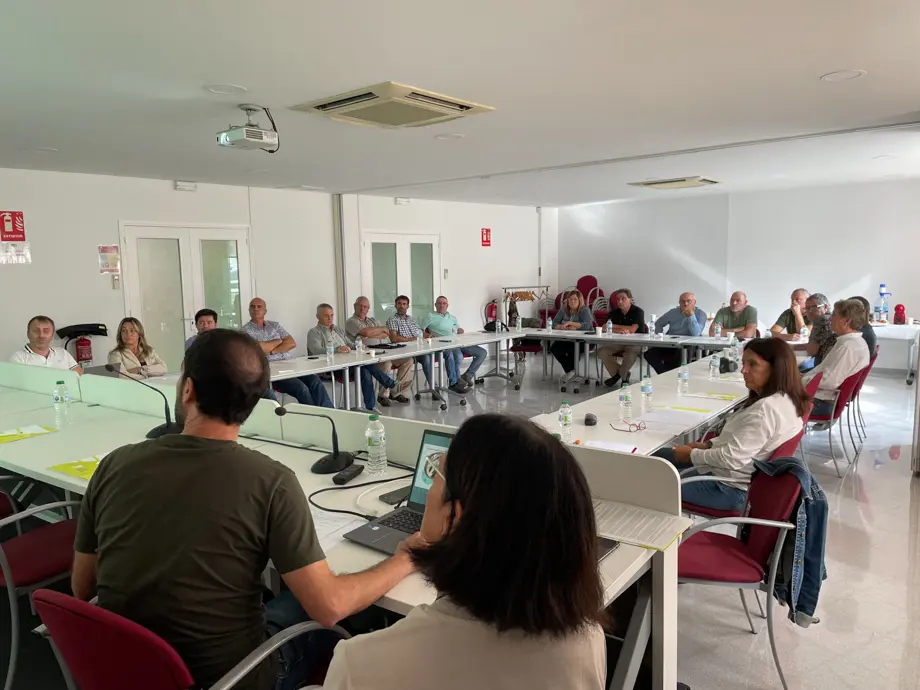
(39,352)
(849,355)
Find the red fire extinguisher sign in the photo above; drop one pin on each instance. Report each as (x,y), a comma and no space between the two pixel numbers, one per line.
(12,226)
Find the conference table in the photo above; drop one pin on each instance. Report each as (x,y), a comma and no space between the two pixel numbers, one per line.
(582,341)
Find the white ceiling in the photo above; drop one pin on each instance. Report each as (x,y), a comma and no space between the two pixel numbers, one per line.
(117,88)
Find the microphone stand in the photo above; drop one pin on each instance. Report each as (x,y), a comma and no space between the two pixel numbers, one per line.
(324,465)
(163,429)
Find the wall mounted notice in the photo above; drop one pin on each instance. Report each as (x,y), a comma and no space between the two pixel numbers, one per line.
(12,226)
(486,237)
(109,259)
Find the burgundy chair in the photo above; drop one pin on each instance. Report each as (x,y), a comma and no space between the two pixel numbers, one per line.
(101,650)
(588,286)
(842,397)
(745,562)
(861,421)
(31,560)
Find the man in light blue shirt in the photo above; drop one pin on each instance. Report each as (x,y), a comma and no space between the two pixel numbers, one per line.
(686,319)
(442,323)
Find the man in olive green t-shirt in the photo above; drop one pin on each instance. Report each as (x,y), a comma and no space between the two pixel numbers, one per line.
(174,533)
(790,323)
(738,317)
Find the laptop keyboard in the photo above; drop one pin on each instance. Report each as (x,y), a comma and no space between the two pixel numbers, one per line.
(403,520)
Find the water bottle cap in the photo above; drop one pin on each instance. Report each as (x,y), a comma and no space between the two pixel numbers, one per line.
(60,383)
(557,437)
(374,417)
(565,402)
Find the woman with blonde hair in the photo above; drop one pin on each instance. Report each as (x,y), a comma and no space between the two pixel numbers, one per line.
(133,353)
(574,316)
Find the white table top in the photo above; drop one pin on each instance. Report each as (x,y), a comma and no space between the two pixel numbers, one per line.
(641,339)
(13,401)
(607,409)
(893,332)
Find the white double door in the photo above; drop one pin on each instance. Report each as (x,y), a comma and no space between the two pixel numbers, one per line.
(171,272)
(398,264)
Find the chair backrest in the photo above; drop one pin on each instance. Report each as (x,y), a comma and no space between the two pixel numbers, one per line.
(586,284)
(865,373)
(846,391)
(102,650)
(813,385)
(769,498)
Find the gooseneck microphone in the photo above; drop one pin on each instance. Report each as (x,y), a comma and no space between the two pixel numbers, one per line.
(328,464)
(162,429)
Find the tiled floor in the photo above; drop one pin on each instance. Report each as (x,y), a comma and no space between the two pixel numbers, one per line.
(869,634)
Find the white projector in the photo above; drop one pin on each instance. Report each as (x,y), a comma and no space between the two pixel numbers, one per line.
(248,138)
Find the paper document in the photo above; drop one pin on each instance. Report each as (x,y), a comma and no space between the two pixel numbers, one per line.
(735,378)
(330,527)
(81,469)
(713,396)
(23,432)
(638,526)
(611,445)
(682,417)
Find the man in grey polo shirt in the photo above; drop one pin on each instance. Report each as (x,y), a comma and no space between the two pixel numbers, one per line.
(277,344)
(373,333)
(327,334)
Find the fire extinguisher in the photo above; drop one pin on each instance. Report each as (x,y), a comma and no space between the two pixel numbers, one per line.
(84,352)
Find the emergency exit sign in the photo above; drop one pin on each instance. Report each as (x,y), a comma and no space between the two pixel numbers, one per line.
(486,237)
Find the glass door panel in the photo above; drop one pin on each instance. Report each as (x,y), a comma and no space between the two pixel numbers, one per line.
(220,269)
(384,280)
(162,310)
(422,275)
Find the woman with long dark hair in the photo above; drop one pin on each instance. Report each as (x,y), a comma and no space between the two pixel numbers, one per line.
(771,415)
(512,551)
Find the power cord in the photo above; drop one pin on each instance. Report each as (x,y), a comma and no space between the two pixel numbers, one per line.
(364,493)
(343,488)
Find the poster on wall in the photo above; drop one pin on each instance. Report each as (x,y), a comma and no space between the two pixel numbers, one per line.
(12,226)
(487,237)
(15,253)
(109,259)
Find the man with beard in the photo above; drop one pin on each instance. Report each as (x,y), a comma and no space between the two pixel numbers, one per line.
(174,533)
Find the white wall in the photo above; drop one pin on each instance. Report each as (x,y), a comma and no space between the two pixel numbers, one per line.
(658,249)
(67,215)
(841,240)
(475,273)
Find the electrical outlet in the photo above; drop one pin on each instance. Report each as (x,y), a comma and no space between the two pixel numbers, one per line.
(445,274)
(116,281)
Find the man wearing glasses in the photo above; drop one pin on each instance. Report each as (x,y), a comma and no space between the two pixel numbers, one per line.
(822,338)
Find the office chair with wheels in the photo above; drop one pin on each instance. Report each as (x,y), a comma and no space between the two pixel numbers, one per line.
(101,650)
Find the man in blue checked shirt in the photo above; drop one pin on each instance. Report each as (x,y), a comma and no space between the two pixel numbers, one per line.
(686,319)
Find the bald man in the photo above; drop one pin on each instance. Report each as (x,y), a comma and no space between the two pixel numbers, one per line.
(790,323)
(277,344)
(684,319)
(738,317)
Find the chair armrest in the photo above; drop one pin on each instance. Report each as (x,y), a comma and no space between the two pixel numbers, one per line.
(735,521)
(711,478)
(260,653)
(13,519)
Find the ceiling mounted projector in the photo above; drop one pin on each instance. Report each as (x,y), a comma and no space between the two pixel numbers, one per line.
(251,135)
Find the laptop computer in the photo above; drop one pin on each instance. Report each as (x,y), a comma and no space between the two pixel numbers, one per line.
(386,532)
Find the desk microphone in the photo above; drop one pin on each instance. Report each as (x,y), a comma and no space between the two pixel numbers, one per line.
(328,464)
(162,429)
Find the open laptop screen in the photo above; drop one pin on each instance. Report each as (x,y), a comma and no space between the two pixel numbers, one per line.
(432,442)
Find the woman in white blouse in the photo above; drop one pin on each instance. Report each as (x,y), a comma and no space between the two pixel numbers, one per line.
(512,550)
(133,353)
(771,416)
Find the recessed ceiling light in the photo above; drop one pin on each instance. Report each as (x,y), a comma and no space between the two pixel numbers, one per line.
(844,75)
(257,171)
(885,157)
(225,89)
(304,187)
(44,149)
(449,136)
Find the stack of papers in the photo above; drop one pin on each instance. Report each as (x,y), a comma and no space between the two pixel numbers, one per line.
(669,418)
(714,396)
(81,469)
(611,445)
(22,432)
(331,527)
(638,526)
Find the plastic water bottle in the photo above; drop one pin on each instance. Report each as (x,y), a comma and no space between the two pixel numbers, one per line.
(717,330)
(419,339)
(625,403)
(359,345)
(882,309)
(714,367)
(651,327)
(683,380)
(61,398)
(608,327)
(565,422)
(646,392)
(453,332)
(376,437)
(330,351)
(803,334)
